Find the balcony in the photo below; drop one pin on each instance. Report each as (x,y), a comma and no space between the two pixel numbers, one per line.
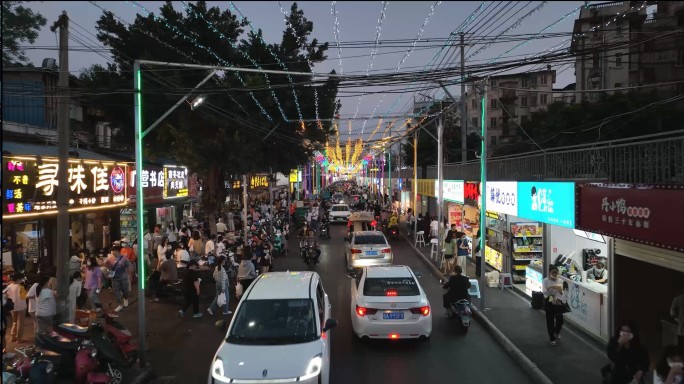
(650,159)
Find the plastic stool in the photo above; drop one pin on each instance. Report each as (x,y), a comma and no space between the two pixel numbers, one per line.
(433,249)
(474,288)
(505,281)
(420,240)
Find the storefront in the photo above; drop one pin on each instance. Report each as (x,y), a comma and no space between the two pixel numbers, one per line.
(502,203)
(153,197)
(647,224)
(426,190)
(96,194)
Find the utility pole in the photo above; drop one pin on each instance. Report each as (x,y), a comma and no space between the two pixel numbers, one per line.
(464,114)
(389,169)
(62,236)
(483,186)
(440,175)
(415,180)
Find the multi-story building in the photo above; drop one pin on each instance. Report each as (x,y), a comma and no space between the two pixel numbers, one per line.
(601,37)
(660,57)
(511,100)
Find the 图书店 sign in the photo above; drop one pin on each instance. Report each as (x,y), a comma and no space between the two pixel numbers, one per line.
(502,197)
(174,181)
(30,187)
(152,182)
(651,215)
(548,202)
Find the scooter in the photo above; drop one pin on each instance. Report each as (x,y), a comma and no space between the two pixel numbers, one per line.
(118,334)
(79,359)
(460,310)
(310,257)
(325,230)
(394,232)
(34,367)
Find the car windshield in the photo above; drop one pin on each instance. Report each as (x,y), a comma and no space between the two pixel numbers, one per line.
(370,239)
(403,286)
(338,208)
(274,322)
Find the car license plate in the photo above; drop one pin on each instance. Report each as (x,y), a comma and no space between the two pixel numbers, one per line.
(371,253)
(393,316)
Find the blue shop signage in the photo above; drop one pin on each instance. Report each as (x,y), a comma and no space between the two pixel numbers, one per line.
(548,202)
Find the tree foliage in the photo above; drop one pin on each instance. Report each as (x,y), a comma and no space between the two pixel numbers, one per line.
(227,134)
(19,24)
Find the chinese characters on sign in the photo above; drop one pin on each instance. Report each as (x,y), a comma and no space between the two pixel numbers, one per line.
(258,181)
(174,180)
(453,190)
(645,214)
(31,187)
(153,194)
(548,202)
(502,197)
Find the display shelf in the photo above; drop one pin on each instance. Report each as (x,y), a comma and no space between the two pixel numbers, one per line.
(539,251)
(528,236)
(528,259)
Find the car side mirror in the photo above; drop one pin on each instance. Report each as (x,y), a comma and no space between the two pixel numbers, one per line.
(221,325)
(351,275)
(418,275)
(329,324)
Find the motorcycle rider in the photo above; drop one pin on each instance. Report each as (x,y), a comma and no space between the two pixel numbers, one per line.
(393,221)
(458,286)
(311,241)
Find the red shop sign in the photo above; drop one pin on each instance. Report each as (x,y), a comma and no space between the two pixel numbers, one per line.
(652,215)
(471,191)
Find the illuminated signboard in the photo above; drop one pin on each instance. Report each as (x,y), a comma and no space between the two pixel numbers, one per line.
(152,181)
(174,181)
(257,181)
(30,186)
(293,176)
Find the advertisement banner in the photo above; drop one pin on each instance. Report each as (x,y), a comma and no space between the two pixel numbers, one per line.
(494,258)
(502,197)
(175,181)
(472,193)
(153,189)
(427,187)
(453,190)
(30,186)
(645,214)
(548,202)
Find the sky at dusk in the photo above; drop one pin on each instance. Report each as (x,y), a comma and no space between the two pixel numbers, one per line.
(356,21)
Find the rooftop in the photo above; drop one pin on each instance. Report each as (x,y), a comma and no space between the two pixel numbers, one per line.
(281,285)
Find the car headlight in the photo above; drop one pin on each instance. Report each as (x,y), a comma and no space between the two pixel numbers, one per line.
(217,371)
(313,369)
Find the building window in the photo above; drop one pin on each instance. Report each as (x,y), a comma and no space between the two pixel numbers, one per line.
(492,140)
(493,83)
(474,103)
(595,60)
(618,85)
(523,101)
(492,122)
(524,82)
(680,57)
(474,121)
(524,119)
(596,30)
(618,26)
(543,99)
(543,79)
(618,60)
(492,103)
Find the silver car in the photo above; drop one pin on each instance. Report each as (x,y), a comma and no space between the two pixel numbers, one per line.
(366,248)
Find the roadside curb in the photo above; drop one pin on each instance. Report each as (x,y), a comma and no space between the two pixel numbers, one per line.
(530,368)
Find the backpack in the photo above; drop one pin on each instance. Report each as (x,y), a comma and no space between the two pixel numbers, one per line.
(22,292)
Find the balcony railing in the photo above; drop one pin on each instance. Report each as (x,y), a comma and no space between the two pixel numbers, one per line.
(650,159)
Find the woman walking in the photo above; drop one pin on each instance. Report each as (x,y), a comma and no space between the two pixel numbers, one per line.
(629,359)
(195,246)
(221,278)
(17,293)
(191,288)
(246,271)
(449,248)
(93,283)
(554,298)
(47,303)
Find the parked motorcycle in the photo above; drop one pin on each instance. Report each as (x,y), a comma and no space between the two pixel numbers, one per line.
(34,367)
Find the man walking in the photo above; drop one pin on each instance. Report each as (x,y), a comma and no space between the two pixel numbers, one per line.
(120,271)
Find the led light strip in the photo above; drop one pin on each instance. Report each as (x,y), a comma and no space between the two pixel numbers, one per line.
(194,41)
(244,54)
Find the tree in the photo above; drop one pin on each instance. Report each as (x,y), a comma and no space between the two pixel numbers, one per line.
(19,24)
(227,134)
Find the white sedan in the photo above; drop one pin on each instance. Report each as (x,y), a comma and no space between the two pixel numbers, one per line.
(387,302)
(339,212)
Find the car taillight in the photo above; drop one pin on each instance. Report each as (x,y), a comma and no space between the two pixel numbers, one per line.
(354,250)
(374,223)
(363,311)
(393,336)
(391,292)
(386,250)
(421,310)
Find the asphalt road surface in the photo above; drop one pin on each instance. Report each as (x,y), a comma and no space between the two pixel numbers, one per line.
(184,348)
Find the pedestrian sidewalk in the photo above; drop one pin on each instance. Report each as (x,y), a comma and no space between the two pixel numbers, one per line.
(576,358)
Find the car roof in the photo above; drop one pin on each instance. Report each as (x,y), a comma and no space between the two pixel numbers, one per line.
(368,233)
(282,285)
(338,205)
(388,271)
(361,216)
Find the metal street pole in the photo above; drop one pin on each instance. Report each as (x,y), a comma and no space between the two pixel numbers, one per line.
(62,235)
(244,211)
(440,176)
(483,186)
(415,181)
(389,161)
(464,110)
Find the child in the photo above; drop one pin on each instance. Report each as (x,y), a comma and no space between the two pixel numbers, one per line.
(31,295)
(74,293)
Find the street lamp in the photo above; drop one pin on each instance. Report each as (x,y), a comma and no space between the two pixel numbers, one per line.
(197,102)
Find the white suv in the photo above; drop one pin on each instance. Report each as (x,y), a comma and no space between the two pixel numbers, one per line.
(280,333)
(339,212)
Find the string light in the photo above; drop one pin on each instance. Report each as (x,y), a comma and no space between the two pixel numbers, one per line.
(244,54)
(233,7)
(403,59)
(336,29)
(378,29)
(510,28)
(308,61)
(198,45)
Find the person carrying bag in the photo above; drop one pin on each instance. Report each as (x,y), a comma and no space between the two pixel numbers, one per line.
(555,304)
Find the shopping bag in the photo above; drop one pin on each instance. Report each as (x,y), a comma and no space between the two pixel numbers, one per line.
(238,290)
(221,299)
